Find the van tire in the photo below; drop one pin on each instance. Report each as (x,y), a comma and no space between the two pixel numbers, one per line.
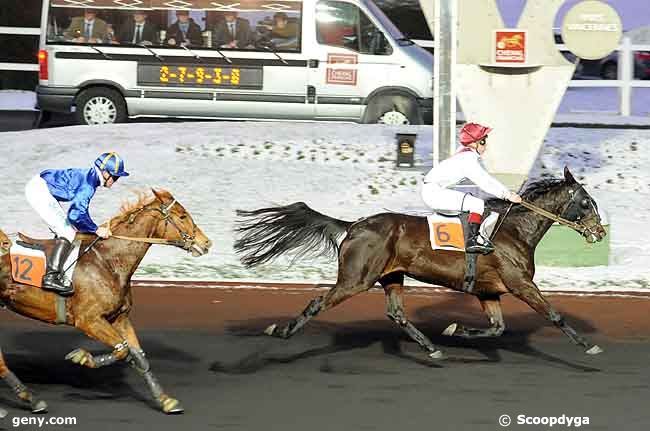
(394,109)
(100,105)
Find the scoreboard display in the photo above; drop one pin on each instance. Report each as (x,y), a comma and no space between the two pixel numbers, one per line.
(212,76)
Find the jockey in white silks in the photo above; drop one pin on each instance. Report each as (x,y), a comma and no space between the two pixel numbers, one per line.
(438,193)
(76,186)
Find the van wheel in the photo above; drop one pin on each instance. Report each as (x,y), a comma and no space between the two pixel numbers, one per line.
(393,109)
(100,105)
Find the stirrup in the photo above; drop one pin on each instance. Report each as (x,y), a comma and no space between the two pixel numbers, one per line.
(56,285)
(477,247)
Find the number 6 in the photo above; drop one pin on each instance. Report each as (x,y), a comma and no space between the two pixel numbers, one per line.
(441,235)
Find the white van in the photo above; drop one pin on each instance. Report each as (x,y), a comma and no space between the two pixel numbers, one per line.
(233,59)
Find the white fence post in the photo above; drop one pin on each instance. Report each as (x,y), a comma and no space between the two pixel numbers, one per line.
(626,75)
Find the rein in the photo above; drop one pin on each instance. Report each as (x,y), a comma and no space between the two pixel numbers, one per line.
(186,243)
(162,241)
(553,217)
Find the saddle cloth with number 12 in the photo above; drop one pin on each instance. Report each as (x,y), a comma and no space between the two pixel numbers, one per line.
(28,264)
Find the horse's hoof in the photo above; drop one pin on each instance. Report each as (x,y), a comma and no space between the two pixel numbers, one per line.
(437,355)
(270,330)
(81,357)
(595,350)
(76,356)
(39,406)
(172,406)
(450,330)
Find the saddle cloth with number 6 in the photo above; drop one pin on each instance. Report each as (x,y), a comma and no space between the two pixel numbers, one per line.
(448,232)
(28,264)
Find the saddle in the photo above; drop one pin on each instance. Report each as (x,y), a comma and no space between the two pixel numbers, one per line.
(28,241)
(449,230)
(29,257)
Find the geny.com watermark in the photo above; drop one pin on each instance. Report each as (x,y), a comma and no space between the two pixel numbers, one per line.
(42,421)
(549,421)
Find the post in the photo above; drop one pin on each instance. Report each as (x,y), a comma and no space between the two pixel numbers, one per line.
(625,76)
(430,11)
(445,42)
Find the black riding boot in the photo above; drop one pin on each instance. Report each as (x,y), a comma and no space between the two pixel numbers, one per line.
(53,278)
(473,245)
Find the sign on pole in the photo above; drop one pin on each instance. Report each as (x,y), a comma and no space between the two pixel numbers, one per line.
(509,46)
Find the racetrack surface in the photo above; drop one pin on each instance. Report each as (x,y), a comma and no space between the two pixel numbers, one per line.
(351,369)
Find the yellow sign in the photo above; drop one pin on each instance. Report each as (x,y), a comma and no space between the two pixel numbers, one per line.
(405,148)
(199,75)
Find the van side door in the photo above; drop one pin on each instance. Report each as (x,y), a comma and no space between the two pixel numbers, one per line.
(354,59)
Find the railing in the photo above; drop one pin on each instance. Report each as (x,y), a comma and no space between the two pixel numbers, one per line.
(625,82)
(23,31)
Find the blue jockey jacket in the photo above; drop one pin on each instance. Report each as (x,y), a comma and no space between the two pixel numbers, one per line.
(76,186)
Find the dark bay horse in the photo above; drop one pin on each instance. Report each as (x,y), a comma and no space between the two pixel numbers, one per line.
(385,247)
(103,299)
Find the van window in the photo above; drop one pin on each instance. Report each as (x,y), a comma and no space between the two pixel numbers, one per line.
(227,25)
(345,25)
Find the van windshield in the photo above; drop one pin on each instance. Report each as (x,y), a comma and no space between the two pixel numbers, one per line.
(388,25)
(196,24)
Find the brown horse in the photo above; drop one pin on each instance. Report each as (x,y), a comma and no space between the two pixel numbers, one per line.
(103,299)
(385,247)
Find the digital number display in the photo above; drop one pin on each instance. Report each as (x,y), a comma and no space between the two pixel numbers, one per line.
(200,76)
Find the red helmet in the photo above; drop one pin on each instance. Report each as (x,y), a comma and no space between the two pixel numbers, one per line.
(472,132)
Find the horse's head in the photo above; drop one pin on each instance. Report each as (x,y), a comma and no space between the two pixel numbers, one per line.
(582,210)
(5,243)
(177,226)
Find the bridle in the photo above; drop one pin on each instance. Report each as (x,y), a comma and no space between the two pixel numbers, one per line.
(580,227)
(186,243)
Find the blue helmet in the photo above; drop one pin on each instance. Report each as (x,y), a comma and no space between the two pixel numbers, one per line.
(111,163)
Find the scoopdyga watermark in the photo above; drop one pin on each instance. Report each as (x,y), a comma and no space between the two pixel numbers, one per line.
(549,421)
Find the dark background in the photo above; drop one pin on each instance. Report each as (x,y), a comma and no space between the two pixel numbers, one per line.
(16,48)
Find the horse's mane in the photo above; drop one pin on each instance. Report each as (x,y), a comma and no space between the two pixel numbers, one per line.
(541,187)
(144,198)
(531,192)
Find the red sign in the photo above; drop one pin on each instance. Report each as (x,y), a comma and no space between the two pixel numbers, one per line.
(509,46)
(342,76)
(342,59)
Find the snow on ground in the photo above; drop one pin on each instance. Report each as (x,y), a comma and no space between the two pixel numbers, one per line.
(17,100)
(342,170)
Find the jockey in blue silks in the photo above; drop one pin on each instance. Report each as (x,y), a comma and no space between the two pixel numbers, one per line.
(46,190)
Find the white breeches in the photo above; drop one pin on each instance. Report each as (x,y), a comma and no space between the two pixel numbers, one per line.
(40,198)
(439,198)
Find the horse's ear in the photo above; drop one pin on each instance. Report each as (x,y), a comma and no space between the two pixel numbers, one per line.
(157,195)
(568,176)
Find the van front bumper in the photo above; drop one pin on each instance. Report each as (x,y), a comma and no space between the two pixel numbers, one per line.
(426,109)
(55,99)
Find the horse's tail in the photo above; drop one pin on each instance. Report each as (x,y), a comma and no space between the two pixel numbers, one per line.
(266,233)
